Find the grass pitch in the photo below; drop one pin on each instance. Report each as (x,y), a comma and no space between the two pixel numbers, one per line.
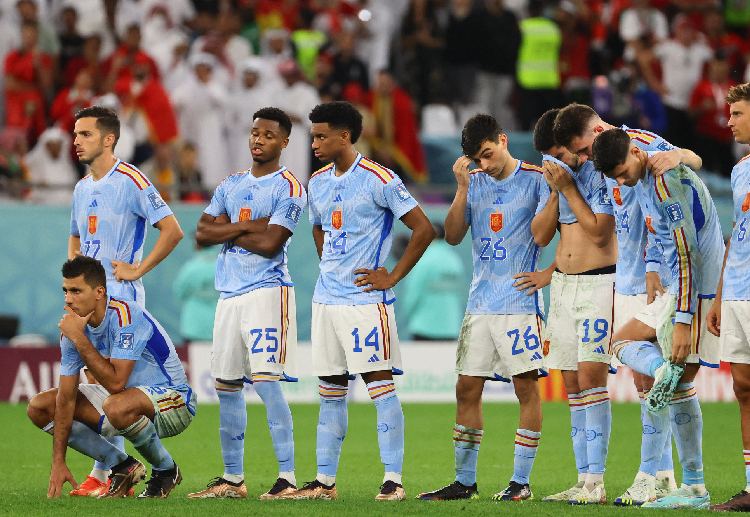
(26,452)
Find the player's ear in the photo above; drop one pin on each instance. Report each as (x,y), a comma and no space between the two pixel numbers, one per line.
(598,128)
(101,292)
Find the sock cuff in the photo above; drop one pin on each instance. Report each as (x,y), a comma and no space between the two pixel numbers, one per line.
(642,395)
(617,347)
(467,437)
(265,377)
(746,454)
(135,428)
(595,396)
(49,428)
(227,387)
(526,438)
(575,401)
(381,390)
(330,391)
(683,393)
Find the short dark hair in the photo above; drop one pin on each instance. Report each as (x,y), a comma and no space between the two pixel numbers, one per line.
(91,269)
(477,130)
(610,150)
(544,137)
(741,92)
(106,120)
(571,122)
(276,115)
(339,115)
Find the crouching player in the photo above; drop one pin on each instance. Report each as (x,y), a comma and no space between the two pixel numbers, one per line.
(685,221)
(143,392)
(502,202)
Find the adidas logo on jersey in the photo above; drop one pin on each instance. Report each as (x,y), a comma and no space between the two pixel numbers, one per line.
(498,201)
(94,204)
(536,357)
(599,350)
(373,359)
(249,197)
(337,199)
(271,359)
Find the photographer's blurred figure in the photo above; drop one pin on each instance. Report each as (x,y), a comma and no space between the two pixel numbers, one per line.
(194,288)
(435,292)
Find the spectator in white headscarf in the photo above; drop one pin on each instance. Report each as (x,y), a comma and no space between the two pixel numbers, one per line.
(50,168)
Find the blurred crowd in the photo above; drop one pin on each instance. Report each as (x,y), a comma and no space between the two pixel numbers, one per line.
(187,75)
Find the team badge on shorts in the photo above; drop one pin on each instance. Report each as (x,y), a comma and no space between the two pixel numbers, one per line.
(616,194)
(246,213)
(746,203)
(93,222)
(496,221)
(337,218)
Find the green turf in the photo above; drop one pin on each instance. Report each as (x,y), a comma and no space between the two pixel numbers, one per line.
(25,453)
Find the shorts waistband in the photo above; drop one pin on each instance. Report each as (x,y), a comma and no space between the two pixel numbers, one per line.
(606,270)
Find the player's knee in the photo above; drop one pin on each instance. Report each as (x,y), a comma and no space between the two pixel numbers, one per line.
(527,391)
(468,391)
(742,391)
(119,412)
(39,410)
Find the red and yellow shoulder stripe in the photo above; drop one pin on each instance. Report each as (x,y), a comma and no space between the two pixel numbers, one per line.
(295,187)
(645,137)
(122,309)
(662,192)
(134,174)
(530,167)
(378,170)
(321,170)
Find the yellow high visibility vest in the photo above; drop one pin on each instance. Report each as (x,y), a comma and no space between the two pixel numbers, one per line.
(539,55)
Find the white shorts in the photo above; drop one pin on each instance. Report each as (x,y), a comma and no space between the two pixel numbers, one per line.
(255,332)
(735,331)
(626,307)
(579,323)
(173,409)
(354,339)
(503,344)
(659,315)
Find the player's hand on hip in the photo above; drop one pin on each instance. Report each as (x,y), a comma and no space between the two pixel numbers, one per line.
(373,279)
(531,281)
(681,337)
(713,318)
(660,163)
(59,474)
(125,271)
(653,286)
(461,170)
(72,325)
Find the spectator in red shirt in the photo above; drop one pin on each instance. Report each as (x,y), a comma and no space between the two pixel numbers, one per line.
(730,44)
(28,80)
(71,100)
(89,61)
(122,63)
(711,113)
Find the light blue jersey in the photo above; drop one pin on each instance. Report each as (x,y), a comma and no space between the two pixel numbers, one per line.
(356,211)
(635,256)
(499,214)
(687,225)
(591,185)
(241,196)
(110,216)
(130,332)
(736,285)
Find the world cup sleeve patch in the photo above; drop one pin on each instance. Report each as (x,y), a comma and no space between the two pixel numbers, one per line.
(674,211)
(126,340)
(665,146)
(604,196)
(293,212)
(156,201)
(401,192)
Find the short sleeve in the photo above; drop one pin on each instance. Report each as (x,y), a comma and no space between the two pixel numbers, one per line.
(150,205)
(395,196)
(597,195)
(70,360)
(313,213)
(467,212)
(73,223)
(543,192)
(289,207)
(217,205)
